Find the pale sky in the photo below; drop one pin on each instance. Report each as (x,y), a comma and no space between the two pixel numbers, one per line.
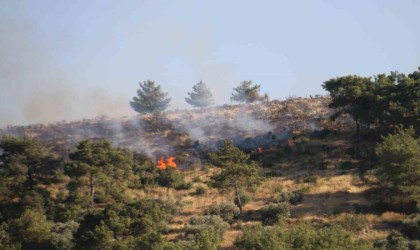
(68,59)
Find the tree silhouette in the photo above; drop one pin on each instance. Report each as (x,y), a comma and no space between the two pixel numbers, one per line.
(236,172)
(201,96)
(150,98)
(248,93)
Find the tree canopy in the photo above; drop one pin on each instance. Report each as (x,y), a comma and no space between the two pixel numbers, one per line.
(201,96)
(25,162)
(246,92)
(150,98)
(384,101)
(236,171)
(399,163)
(98,163)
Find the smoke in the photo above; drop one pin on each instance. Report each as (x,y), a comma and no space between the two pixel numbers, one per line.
(34,90)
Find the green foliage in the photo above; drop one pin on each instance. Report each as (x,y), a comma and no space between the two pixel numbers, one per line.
(200,190)
(244,197)
(206,231)
(275,213)
(236,172)
(399,163)
(397,241)
(246,92)
(139,223)
(227,211)
(293,198)
(31,230)
(411,227)
(98,164)
(61,237)
(300,236)
(171,178)
(261,238)
(384,101)
(24,163)
(352,222)
(150,98)
(201,96)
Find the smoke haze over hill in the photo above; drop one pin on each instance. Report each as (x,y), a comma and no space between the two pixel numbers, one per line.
(75,59)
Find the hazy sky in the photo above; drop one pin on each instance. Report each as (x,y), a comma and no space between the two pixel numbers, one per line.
(71,59)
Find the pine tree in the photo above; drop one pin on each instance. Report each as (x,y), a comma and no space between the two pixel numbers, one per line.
(98,164)
(236,172)
(150,98)
(201,96)
(25,162)
(247,93)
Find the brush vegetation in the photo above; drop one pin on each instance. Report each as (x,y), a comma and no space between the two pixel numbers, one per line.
(347,183)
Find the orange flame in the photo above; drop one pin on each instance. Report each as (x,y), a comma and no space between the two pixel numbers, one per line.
(260,150)
(170,162)
(162,164)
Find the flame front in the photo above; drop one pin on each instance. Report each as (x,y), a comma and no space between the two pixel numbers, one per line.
(162,164)
(260,150)
(170,162)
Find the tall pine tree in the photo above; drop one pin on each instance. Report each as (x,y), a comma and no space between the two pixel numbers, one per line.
(150,98)
(246,92)
(201,96)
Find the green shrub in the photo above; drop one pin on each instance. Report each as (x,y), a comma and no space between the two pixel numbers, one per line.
(257,237)
(353,222)
(411,227)
(184,186)
(199,190)
(293,198)
(244,196)
(213,221)
(205,232)
(394,241)
(275,213)
(227,211)
(300,236)
(310,179)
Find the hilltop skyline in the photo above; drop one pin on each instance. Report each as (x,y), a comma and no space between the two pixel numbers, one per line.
(71,60)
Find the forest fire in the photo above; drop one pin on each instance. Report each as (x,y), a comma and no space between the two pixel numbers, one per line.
(259,149)
(162,164)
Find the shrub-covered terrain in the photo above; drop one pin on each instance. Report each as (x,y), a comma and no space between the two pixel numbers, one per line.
(267,175)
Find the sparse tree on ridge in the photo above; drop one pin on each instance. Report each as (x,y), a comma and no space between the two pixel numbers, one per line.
(201,96)
(150,98)
(246,92)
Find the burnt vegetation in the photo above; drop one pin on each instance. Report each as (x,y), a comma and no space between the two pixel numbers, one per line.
(326,172)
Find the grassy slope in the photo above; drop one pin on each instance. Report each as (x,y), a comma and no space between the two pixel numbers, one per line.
(335,191)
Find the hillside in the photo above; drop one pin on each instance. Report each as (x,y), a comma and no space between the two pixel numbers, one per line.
(299,150)
(175,131)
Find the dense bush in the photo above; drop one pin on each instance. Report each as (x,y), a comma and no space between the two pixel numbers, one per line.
(119,223)
(293,198)
(227,211)
(258,237)
(300,236)
(205,232)
(411,227)
(397,241)
(352,222)
(199,190)
(275,213)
